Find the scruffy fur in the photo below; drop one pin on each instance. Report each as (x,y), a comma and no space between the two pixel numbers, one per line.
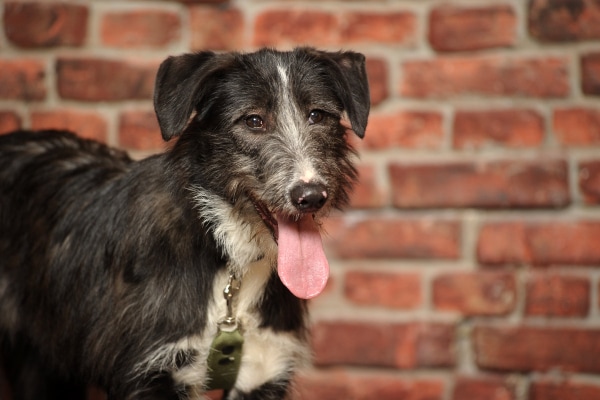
(112,270)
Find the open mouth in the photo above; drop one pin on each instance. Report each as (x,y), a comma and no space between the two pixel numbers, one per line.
(301,262)
(266,216)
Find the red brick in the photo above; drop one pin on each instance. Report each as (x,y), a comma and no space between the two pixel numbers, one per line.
(475,293)
(551,294)
(577,126)
(203,1)
(9,121)
(22,79)
(548,390)
(292,27)
(561,21)
(409,129)
(354,386)
(378,74)
(214,394)
(435,345)
(381,237)
(139,130)
(392,290)
(513,128)
(368,192)
(140,28)
(382,28)
(589,181)
(590,74)
(483,388)
(86,124)
(457,29)
(216,28)
(528,348)
(539,242)
(95,79)
(402,346)
(38,24)
(493,184)
(321,28)
(489,76)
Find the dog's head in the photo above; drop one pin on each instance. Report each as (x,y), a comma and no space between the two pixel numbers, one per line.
(269,127)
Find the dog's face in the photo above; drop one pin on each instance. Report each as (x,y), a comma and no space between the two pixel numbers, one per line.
(276,122)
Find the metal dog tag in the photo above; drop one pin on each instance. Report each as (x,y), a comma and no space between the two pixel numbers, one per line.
(224,359)
(225,356)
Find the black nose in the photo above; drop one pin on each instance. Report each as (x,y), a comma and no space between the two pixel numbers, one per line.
(308,197)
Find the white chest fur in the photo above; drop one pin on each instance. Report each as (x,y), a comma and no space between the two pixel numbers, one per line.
(267,355)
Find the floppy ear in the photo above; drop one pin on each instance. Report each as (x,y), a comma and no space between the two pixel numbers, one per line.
(350,79)
(181,83)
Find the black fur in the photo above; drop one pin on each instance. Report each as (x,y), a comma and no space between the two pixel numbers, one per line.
(102,259)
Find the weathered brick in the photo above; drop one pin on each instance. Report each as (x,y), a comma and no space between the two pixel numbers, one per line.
(393,28)
(564,390)
(435,345)
(475,293)
(354,386)
(9,121)
(294,27)
(539,242)
(407,129)
(95,79)
(322,28)
(529,348)
(489,76)
(203,1)
(589,181)
(454,28)
(211,395)
(513,128)
(22,79)
(552,294)
(139,130)
(561,21)
(368,192)
(87,124)
(378,74)
(39,24)
(402,346)
(483,388)
(140,28)
(216,28)
(493,184)
(381,237)
(392,290)
(577,126)
(590,74)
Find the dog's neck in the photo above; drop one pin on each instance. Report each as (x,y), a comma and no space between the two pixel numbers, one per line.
(239,231)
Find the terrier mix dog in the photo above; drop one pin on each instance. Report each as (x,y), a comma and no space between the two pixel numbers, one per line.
(131,274)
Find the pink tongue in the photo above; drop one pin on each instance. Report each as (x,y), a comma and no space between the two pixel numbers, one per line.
(301,261)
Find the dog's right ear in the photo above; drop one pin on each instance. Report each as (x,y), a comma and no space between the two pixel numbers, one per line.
(181,83)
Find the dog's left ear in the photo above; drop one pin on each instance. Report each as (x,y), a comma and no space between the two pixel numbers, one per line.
(352,87)
(181,83)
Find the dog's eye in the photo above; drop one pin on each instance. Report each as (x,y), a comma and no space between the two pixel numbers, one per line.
(315,116)
(255,122)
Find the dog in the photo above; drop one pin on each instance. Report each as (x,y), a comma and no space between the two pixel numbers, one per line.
(123,273)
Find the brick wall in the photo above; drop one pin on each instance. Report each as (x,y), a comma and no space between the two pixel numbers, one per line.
(468,267)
